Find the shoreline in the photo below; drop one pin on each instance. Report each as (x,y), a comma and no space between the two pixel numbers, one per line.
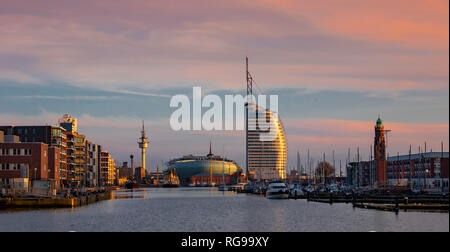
(36,203)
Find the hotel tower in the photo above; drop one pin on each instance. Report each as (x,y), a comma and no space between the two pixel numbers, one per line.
(265,141)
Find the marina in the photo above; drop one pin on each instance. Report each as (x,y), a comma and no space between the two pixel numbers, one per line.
(198,209)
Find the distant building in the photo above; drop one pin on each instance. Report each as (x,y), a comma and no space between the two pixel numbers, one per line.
(418,171)
(68,123)
(362,174)
(139,173)
(125,171)
(107,169)
(427,171)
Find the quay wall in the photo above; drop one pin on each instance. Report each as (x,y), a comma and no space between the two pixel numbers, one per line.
(12,203)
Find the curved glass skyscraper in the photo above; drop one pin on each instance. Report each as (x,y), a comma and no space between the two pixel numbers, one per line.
(266,144)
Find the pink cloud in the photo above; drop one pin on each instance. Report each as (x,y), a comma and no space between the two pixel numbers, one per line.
(412,22)
(378,44)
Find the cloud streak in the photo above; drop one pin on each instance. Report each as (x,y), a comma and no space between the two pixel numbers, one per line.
(345,44)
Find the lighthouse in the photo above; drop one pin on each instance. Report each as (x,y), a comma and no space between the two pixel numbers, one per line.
(380,152)
(143,144)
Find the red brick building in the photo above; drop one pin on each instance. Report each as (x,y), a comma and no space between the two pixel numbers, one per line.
(35,161)
(427,171)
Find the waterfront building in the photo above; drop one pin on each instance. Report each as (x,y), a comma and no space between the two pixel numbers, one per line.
(125,171)
(93,163)
(69,123)
(71,173)
(83,156)
(51,135)
(80,161)
(139,174)
(79,158)
(107,169)
(428,171)
(209,166)
(266,149)
(32,161)
(359,173)
(123,174)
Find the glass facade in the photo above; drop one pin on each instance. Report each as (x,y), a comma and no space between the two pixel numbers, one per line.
(266,145)
(189,166)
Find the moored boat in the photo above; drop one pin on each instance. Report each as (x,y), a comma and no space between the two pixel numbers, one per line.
(132,185)
(171,180)
(223,188)
(277,190)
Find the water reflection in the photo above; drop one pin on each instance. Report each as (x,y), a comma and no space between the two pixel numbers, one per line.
(207,209)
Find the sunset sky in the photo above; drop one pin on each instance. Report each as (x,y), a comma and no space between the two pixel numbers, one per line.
(336,65)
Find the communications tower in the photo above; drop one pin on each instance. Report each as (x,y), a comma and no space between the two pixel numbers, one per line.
(143,144)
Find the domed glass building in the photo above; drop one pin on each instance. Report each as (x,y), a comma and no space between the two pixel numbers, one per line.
(189,166)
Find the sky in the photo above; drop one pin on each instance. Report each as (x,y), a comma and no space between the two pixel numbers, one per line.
(335,65)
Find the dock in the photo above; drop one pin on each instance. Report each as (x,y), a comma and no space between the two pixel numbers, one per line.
(396,208)
(41,202)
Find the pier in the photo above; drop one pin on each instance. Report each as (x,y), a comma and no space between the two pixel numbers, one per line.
(377,201)
(41,202)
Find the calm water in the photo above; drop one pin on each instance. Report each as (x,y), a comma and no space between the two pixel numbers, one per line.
(203,209)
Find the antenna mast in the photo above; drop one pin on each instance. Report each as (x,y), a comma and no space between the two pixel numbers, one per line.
(249,80)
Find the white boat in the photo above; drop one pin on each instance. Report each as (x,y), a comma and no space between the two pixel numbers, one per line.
(277,191)
(296,190)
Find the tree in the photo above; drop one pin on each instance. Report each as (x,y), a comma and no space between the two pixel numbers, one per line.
(325,166)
